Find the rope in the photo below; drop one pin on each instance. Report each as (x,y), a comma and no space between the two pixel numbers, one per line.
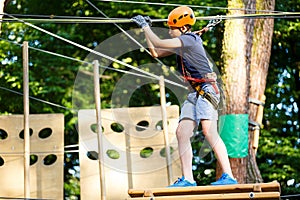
(54,16)
(78,45)
(66,108)
(289,196)
(90,63)
(294,15)
(94,52)
(66,57)
(121,29)
(192,6)
(134,40)
(75,110)
(77,60)
(70,20)
(67,19)
(40,100)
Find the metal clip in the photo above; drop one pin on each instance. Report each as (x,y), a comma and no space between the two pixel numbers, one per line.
(212,23)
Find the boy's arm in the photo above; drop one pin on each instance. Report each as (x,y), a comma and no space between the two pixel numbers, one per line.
(157,52)
(157,46)
(161,43)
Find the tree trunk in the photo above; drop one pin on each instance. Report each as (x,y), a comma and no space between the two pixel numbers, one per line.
(246,55)
(261,52)
(235,75)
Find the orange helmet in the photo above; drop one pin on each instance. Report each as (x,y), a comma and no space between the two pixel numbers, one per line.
(181,16)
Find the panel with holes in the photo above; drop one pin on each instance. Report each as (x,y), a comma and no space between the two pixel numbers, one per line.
(133,149)
(46,156)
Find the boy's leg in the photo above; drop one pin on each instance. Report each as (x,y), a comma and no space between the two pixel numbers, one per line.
(210,130)
(184,132)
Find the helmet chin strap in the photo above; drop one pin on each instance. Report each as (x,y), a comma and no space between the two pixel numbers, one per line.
(182,33)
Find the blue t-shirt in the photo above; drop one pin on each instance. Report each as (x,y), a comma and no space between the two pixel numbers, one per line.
(194,56)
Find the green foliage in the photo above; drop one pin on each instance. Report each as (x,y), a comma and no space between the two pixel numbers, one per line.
(278,152)
(72,189)
(52,78)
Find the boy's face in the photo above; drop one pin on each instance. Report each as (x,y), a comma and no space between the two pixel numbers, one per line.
(174,32)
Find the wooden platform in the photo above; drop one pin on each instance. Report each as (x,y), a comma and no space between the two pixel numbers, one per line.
(239,191)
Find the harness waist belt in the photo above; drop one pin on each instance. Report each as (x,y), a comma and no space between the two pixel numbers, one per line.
(210,78)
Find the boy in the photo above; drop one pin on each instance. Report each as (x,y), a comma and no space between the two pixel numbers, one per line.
(201,103)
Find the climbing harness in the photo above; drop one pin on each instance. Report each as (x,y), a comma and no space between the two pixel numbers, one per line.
(197,84)
(205,95)
(210,78)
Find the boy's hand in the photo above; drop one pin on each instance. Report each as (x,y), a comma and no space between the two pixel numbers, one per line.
(148,20)
(140,21)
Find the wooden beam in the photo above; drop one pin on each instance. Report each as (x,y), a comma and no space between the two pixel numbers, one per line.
(229,196)
(201,190)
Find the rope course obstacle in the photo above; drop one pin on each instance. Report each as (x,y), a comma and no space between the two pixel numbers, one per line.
(124,150)
(247,191)
(44,173)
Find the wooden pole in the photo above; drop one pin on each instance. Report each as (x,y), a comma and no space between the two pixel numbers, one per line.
(129,161)
(259,117)
(26,121)
(165,126)
(99,128)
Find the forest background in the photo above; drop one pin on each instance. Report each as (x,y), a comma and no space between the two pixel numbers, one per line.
(52,78)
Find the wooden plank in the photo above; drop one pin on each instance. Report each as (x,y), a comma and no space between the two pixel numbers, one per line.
(238,188)
(229,196)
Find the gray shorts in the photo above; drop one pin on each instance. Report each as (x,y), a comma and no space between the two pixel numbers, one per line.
(199,108)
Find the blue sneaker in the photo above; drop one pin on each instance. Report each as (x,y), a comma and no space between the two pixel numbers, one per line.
(181,182)
(225,179)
